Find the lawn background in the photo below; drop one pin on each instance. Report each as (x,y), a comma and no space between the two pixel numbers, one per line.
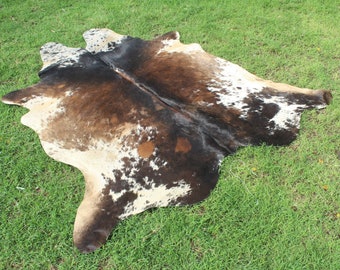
(273,208)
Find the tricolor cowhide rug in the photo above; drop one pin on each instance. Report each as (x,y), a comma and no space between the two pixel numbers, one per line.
(148,122)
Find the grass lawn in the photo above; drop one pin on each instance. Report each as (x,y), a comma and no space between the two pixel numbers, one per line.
(273,208)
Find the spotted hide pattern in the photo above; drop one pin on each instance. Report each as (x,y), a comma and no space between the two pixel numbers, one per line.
(148,122)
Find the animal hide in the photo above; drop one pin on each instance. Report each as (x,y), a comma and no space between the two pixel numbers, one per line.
(148,122)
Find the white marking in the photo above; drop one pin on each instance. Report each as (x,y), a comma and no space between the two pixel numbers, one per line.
(233,84)
(57,54)
(157,163)
(101,40)
(69,93)
(204,103)
(41,109)
(174,45)
(151,132)
(288,114)
(159,196)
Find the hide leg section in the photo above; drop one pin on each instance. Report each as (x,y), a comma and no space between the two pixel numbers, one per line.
(93,225)
(309,97)
(96,217)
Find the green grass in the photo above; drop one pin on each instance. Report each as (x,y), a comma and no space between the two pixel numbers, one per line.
(273,208)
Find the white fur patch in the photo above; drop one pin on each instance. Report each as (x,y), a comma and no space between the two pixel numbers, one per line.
(41,109)
(159,196)
(57,54)
(101,40)
(288,114)
(232,85)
